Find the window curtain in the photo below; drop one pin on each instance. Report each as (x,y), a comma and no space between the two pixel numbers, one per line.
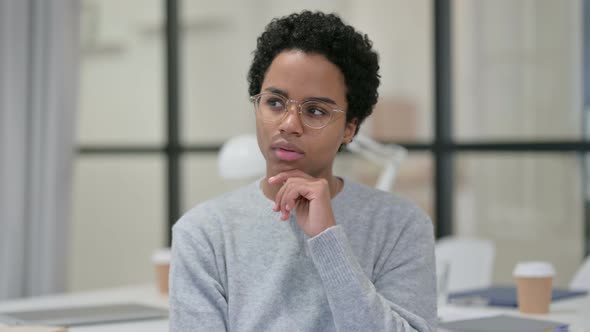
(38,91)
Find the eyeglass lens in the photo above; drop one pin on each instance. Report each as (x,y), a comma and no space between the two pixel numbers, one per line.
(273,108)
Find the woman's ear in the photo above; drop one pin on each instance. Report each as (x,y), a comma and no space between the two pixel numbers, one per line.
(349,131)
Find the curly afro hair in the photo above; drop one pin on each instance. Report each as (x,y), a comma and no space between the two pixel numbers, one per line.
(325,34)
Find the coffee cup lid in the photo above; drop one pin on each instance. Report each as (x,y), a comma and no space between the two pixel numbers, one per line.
(161,256)
(533,270)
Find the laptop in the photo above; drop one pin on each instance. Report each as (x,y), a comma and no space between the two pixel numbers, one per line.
(84,315)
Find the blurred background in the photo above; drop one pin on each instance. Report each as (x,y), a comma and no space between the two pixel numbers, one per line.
(493,111)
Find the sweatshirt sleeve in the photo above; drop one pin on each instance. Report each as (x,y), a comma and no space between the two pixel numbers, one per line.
(401,298)
(197,299)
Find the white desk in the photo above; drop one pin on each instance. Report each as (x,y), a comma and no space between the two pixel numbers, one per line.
(574,311)
(143,294)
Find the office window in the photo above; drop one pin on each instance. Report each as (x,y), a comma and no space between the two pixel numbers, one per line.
(518,70)
(217,41)
(202,180)
(530,204)
(517,96)
(118,202)
(118,220)
(404,112)
(157,100)
(122,74)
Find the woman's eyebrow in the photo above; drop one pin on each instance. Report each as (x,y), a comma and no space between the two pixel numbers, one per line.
(324,99)
(277,91)
(286,95)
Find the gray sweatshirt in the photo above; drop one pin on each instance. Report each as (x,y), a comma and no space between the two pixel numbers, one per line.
(237,267)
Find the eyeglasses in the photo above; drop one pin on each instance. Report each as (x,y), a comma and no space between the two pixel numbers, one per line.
(273,108)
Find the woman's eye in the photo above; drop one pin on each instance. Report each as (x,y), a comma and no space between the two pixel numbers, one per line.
(316,112)
(275,103)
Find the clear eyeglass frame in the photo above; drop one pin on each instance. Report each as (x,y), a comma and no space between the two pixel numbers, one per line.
(300,106)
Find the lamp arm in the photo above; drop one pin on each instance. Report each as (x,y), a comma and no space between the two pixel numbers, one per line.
(387,177)
(387,156)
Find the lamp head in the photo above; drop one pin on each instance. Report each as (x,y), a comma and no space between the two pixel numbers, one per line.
(241,158)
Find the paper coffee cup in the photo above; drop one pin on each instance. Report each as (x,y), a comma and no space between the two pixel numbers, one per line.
(534,281)
(161,261)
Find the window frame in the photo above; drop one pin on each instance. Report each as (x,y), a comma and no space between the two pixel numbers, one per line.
(443,148)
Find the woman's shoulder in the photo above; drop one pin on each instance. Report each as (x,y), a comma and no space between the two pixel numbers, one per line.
(390,206)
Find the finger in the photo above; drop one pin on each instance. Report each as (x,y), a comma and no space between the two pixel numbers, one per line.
(279,194)
(295,195)
(280,200)
(284,176)
(286,202)
(289,198)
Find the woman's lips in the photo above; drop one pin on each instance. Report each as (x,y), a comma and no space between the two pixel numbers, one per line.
(287,155)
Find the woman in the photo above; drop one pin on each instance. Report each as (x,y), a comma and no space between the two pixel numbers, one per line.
(302,249)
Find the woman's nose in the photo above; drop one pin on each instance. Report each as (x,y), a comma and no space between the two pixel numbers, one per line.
(291,123)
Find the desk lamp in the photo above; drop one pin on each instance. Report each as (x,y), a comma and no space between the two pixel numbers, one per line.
(240,158)
(387,156)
